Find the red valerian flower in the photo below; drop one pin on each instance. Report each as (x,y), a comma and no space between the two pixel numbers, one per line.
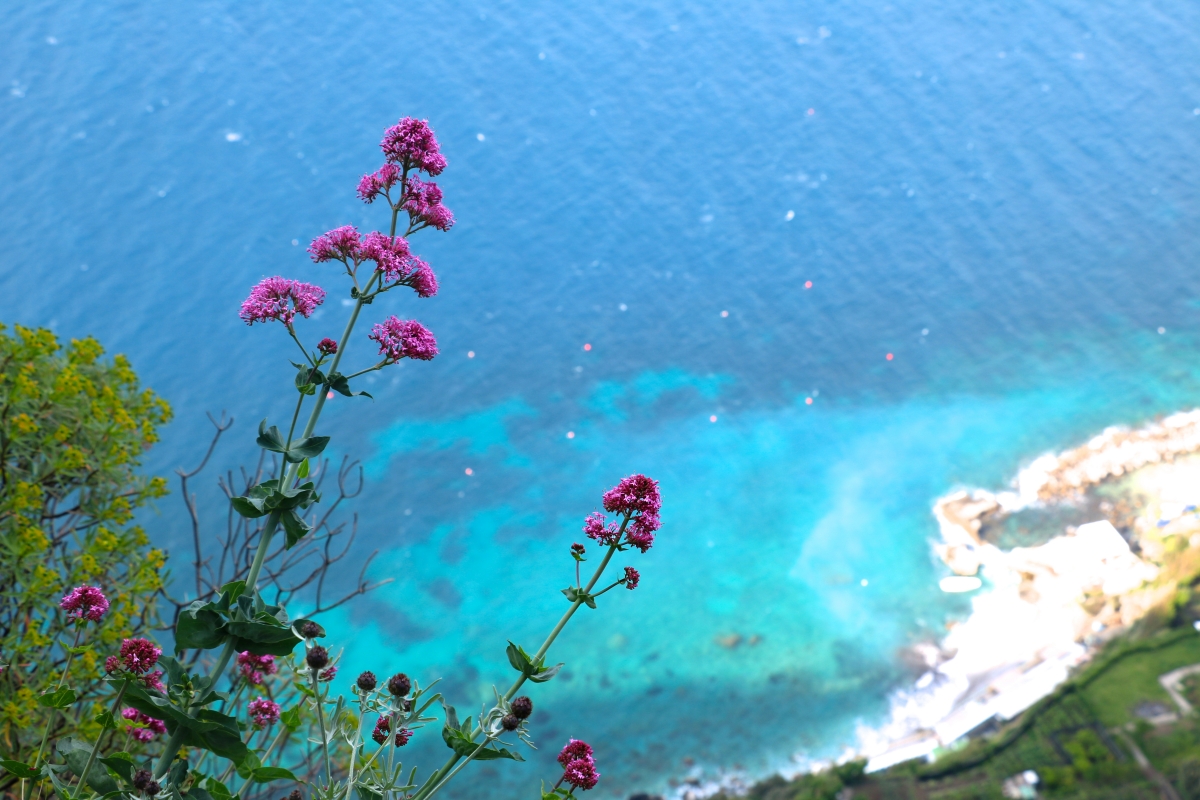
(399,339)
(281,299)
(263,713)
(84,603)
(631,578)
(144,728)
(411,143)
(139,655)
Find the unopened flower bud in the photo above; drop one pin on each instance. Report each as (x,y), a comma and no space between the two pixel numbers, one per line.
(577,548)
(295,795)
(510,722)
(399,684)
(152,788)
(317,657)
(327,346)
(522,707)
(141,779)
(310,629)
(366,681)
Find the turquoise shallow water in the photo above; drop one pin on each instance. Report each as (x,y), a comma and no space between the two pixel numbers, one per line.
(1004,198)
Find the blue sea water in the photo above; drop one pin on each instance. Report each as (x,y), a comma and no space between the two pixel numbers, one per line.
(1002,196)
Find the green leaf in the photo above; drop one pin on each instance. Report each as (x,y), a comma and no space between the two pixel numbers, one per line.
(247,508)
(247,764)
(269,438)
(462,745)
(268,774)
(291,718)
(196,793)
(519,659)
(341,385)
(451,715)
(367,793)
(20,769)
(218,790)
(76,754)
(303,471)
(59,698)
(310,447)
(80,650)
(262,638)
(294,527)
(544,675)
(120,763)
(106,720)
(579,596)
(199,627)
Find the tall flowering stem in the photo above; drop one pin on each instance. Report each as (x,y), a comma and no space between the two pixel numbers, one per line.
(447,771)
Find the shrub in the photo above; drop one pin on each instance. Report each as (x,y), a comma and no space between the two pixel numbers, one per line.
(73,428)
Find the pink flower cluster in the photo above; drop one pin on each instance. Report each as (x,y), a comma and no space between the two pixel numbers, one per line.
(263,713)
(84,603)
(384,726)
(139,655)
(255,668)
(636,498)
(391,256)
(631,578)
(399,339)
(411,144)
(379,182)
(145,728)
(579,767)
(281,299)
(423,201)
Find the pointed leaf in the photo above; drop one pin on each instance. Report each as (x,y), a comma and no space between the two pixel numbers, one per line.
(120,763)
(248,508)
(20,769)
(76,753)
(303,471)
(294,528)
(268,774)
(341,385)
(310,447)
(199,627)
(59,698)
(546,674)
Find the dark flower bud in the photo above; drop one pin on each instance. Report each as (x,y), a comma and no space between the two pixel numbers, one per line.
(522,707)
(310,629)
(366,681)
(327,346)
(577,548)
(399,684)
(141,779)
(510,722)
(152,788)
(295,795)
(317,657)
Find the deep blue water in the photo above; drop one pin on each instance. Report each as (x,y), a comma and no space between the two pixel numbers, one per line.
(1003,196)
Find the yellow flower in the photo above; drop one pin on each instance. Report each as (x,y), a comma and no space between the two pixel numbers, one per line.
(24,424)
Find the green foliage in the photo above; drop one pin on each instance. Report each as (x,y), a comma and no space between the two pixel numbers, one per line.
(73,429)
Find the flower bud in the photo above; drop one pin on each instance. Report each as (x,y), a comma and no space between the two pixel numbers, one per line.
(141,779)
(366,681)
(295,795)
(510,722)
(399,684)
(522,707)
(309,629)
(152,788)
(327,346)
(317,657)
(577,548)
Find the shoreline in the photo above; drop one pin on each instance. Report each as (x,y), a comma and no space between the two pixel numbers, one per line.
(1047,609)
(1038,612)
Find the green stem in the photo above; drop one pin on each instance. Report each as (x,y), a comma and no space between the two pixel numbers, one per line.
(439,778)
(316,684)
(362,714)
(171,748)
(116,707)
(52,712)
(295,416)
